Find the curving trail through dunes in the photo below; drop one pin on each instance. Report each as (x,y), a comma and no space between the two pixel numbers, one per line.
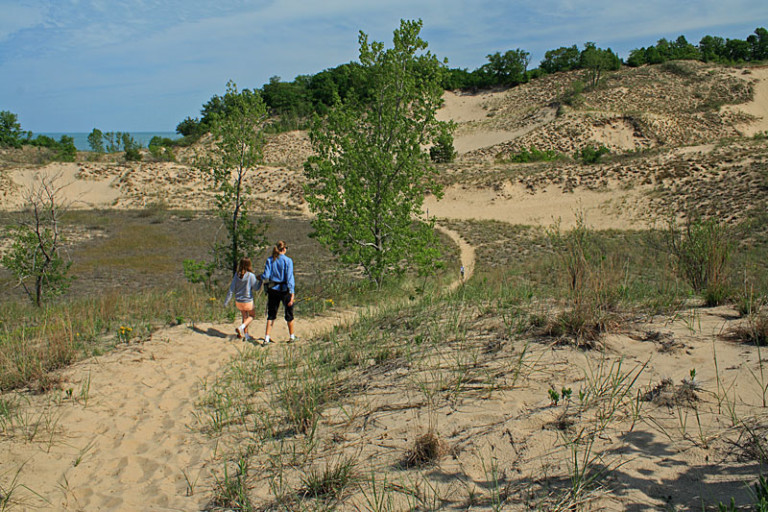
(127,436)
(124,435)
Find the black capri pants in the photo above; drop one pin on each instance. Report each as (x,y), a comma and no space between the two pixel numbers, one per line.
(274,298)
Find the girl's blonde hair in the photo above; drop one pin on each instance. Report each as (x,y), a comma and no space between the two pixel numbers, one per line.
(277,249)
(243,267)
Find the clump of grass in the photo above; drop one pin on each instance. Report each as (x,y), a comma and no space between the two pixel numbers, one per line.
(426,450)
(593,281)
(753,330)
(332,481)
(752,442)
(231,490)
(303,389)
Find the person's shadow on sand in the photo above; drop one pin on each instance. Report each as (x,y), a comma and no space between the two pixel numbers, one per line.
(209,332)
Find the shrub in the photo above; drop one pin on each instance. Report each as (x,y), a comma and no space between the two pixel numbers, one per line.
(591,155)
(443,150)
(531,155)
(161,149)
(701,250)
(133,155)
(572,96)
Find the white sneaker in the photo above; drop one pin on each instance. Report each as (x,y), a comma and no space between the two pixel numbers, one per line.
(240,332)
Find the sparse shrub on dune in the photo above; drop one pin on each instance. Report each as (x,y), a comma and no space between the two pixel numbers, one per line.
(701,250)
(593,280)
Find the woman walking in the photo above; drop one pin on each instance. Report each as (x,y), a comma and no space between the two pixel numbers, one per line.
(279,280)
(243,283)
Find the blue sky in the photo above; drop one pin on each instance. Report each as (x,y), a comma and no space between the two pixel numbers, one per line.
(144,65)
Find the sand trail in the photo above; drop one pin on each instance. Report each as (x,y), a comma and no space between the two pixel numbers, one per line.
(124,433)
(129,435)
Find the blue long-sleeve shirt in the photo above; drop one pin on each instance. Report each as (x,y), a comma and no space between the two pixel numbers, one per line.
(280,270)
(242,288)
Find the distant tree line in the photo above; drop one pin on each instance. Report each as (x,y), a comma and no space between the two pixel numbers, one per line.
(291,105)
(709,49)
(12,136)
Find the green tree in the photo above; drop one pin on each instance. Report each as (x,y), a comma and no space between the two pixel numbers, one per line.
(712,48)
(113,140)
(11,134)
(443,150)
(131,147)
(65,149)
(237,130)
(35,256)
(96,141)
(190,127)
(759,44)
(683,50)
(508,68)
(737,50)
(367,181)
(561,59)
(596,60)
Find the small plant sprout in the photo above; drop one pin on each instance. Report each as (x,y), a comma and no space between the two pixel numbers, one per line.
(554,396)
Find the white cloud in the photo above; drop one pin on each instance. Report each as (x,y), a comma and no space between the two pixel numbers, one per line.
(16,18)
(59,57)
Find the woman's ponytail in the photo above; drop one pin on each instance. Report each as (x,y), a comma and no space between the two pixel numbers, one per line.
(278,249)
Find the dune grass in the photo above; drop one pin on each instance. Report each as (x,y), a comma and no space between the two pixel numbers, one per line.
(432,352)
(129,282)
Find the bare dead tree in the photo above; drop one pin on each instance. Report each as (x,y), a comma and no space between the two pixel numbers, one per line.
(36,254)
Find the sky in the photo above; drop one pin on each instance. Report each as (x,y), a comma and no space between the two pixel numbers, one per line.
(145,65)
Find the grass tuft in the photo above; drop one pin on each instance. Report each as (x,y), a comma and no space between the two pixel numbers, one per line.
(426,451)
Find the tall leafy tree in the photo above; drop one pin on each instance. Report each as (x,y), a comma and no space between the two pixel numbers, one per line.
(10,130)
(712,48)
(96,140)
(370,174)
(596,60)
(561,59)
(508,68)
(759,44)
(237,130)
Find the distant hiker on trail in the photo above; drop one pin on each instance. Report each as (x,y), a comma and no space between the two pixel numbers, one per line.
(243,283)
(462,272)
(279,282)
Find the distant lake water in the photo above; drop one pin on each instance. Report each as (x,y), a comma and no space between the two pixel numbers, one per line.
(81,138)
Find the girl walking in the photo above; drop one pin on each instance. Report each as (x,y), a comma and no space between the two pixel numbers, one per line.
(279,280)
(243,284)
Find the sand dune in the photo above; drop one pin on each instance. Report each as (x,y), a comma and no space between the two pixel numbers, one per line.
(124,434)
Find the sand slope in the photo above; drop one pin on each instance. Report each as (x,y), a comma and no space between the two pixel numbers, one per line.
(129,437)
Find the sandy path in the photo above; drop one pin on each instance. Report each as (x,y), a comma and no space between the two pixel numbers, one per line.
(466,254)
(129,438)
